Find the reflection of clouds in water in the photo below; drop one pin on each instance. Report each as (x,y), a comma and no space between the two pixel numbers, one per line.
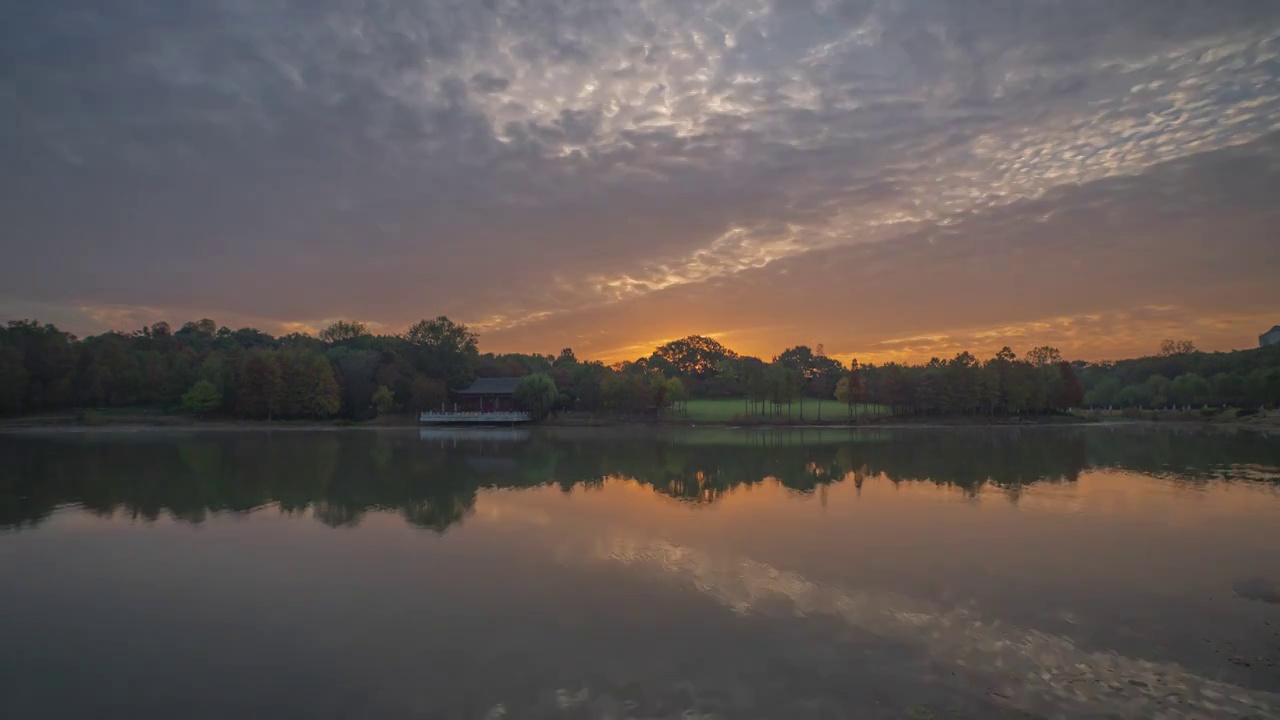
(507,513)
(1028,669)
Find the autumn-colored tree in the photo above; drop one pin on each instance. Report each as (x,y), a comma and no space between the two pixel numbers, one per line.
(426,394)
(309,388)
(1070,389)
(260,386)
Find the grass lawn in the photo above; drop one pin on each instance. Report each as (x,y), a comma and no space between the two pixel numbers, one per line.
(728,409)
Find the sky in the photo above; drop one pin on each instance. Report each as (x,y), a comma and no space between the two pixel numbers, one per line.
(892,179)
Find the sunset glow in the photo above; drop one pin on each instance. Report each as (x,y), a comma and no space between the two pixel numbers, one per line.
(894,180)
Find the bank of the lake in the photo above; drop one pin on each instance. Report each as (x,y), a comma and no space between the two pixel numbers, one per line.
(1262,421)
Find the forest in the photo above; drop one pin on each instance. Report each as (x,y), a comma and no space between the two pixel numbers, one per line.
(348,372)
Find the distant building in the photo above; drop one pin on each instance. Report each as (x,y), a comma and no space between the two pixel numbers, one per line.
(1270,337)
(489,395)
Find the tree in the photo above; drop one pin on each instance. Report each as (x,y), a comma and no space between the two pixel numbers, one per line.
(426,394)
(1070,390)
(343,331)
(676,394)
(799,358)
(1106,392)
(1169,348)
(755,382)
(260,386)
(356,372)
(1157,390)
(1189,389)
(443,349)
(384,399)
(50,358)
(1044,355)
(1263,386)
(204,326)
(784,387)
(537,395)
(14,380)
(846,393)
(1135,396)
(1228,388)
(309,389)
(694,356)
(625,392)
(203,397)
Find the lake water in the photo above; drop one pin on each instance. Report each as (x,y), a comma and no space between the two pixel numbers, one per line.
(600,573)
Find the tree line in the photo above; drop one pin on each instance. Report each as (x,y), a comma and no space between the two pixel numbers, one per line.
(346,371)
(1041,381)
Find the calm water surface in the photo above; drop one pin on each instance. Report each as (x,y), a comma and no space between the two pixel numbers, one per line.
(1124,572)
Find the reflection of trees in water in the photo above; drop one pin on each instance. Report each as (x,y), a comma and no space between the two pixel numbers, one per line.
(339,477)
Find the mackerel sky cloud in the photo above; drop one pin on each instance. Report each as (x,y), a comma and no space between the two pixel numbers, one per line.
(892,178)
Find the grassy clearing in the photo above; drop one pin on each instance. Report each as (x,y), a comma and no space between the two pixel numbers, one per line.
(731,409)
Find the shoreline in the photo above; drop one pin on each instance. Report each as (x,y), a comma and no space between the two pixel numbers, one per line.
(1264,424)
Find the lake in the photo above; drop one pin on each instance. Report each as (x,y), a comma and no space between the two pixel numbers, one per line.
(1125,571)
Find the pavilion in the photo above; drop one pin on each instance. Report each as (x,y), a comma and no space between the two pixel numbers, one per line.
(489,395)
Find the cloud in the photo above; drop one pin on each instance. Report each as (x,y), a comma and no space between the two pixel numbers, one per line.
(1080,268)
(510,162)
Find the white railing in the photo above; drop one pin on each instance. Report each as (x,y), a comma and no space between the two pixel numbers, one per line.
(504,416)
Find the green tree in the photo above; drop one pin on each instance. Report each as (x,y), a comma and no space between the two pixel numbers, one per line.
(14,380)
(1044,355)
(1169,348)
(1135,395)
(309,388)
(443,349)
(356,372)
(846,393)
(203,397)
(1189,389)
(1106,392)
(1262,386)
(343,331)
(537,395)
(695,356)
(1157,390)
(384,399)
(676,394)
(204,326)
(49,357)
(1227,388)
